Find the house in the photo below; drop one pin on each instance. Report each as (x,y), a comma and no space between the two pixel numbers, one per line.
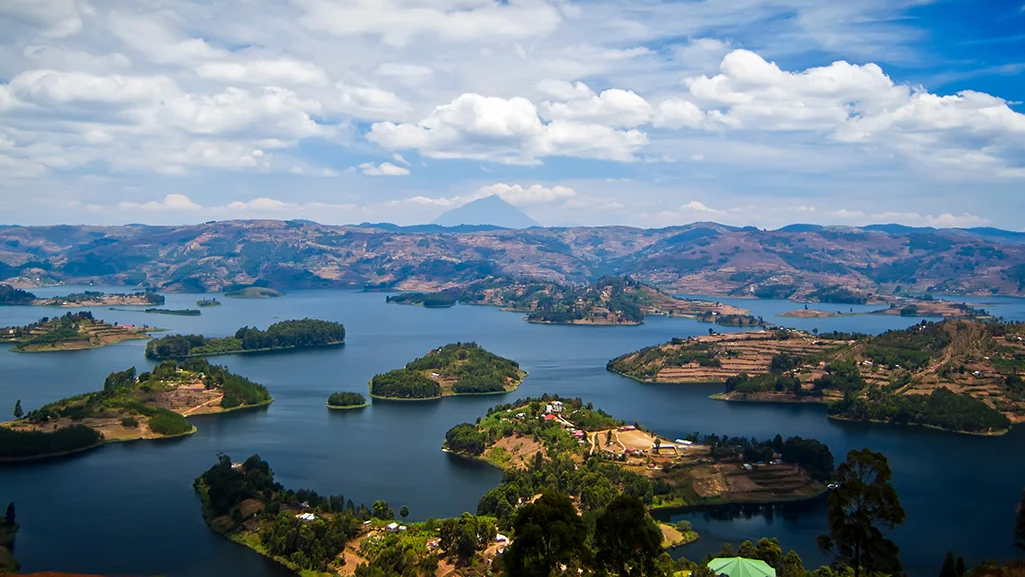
(550,417)
(557,406)
(628,428)
(236,466)
(548,409)
(748,467)
(500,538)
(392,526)
(433,544)
(435,375)
(306,517)
(578,434)
(684,442)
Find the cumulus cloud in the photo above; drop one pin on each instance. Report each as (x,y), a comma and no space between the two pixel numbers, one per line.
(533,194)
(614,107)
(277,71)
(504,130)
(171,202)
(383,169)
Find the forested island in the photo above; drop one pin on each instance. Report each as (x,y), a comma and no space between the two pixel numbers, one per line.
(454,369)
(346,400)
(131,406)
(548,441)
(962,376)
(283,335)
(258,290)
(155,311)
(70,332)
(608,301)
(100,299)
(211,302)
(728,320)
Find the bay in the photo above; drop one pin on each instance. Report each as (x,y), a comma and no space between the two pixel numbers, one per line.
(130,508)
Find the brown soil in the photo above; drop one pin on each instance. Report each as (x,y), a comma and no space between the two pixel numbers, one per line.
(92,335)
(520,450)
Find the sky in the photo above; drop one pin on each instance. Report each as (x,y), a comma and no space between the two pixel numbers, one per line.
(599,112)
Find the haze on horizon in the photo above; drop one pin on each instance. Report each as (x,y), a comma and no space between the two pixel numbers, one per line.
(647,114)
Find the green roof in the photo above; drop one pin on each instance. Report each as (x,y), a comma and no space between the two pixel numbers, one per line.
(741,567)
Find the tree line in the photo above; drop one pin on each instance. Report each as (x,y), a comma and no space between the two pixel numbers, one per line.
(942,408)
(346,399)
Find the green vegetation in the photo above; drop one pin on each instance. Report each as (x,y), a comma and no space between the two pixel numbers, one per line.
(8,529)
(211,302)
(942,409)
(12,296)
(730,320)
(429,300)
(179,312)
(71,331)
(281,335)
(838,295)
(647,362)
(97,297)
(454,369)
(251,292)
(346,400)
(16,445)
(860,511)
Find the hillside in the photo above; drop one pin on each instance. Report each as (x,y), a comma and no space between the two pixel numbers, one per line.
(490,210)
(454,369)
(958,375)
(70,332)
(607,301)
(835,264)
(148,405)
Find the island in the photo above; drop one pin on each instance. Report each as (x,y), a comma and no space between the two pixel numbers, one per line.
(730,320)
(957,375)
(177,312)
(905,307)
(211,302)
(100,299)
(131,406)
(346,400)
(10,296)
(608,301)
(454,369)
(71,332)
(283,335)
(253,291)
(544,441)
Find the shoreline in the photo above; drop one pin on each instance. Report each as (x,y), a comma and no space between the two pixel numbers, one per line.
(782,401)
(998,433)
(514,386)
(246,351)
(88,346)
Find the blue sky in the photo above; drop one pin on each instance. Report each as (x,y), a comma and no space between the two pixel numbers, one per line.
(747,112)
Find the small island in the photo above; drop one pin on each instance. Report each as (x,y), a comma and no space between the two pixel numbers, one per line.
(150,405)
(211,302)
(454,369)
(99,299)
(71,332)
(956,375)
(253,291)
(610,301)
(155,311)
(345,400)
(730,320)
(284,335)
(537,441)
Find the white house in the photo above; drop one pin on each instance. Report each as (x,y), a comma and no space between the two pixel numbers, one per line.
(306,517)
(393,526)
(500,538)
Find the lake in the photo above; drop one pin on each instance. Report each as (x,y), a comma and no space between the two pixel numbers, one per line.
(130,508)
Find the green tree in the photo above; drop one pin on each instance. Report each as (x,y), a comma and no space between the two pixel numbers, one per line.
(383,511)
(548,533)
(949,568)
(627,541)
(18,413)
(608,437)
(404,512)
(859,511)
(10,518)
(658,444)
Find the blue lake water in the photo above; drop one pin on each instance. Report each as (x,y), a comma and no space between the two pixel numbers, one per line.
(130,509)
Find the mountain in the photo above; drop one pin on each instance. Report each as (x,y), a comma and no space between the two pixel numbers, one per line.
(488,210)
(700,258)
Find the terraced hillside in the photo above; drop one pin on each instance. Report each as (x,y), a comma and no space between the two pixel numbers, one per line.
(957,374)
(73,331)
(831,264)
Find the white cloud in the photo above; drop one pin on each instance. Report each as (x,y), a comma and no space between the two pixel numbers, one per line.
(696,206)
(399,159)
(533,194)
(398,22)
(52,87)
(504,130)
(57,18)
(383,169)
(614,107)
(368,103)
(406,73)
(171,202)
(278,71)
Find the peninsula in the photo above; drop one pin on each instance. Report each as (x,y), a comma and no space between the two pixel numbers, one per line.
(100,299)
(346,400)
(155,311)
(251,292)
(150,405)
(71,332)
(538,441)
(608,301)
(454,369)
(284,335)
(956,375)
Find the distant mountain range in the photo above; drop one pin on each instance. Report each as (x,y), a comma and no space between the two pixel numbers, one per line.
(797,261)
